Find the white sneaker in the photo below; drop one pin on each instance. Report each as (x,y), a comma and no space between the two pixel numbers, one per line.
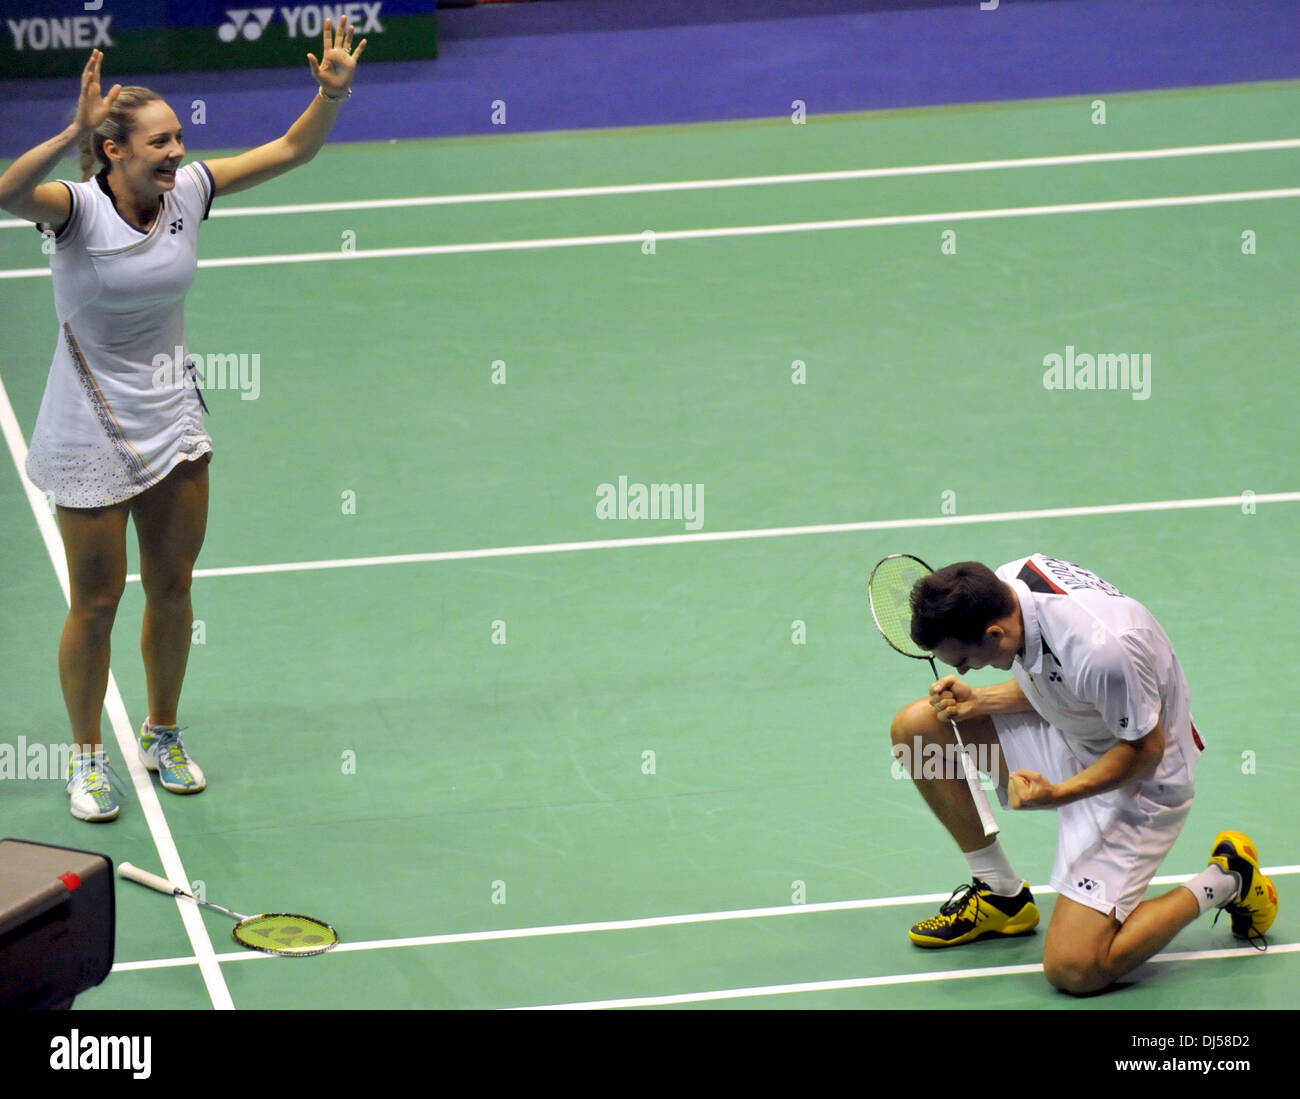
(88,787)
(161,750)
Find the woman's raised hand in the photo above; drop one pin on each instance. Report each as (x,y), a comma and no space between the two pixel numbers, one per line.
(338,63)
(91,109)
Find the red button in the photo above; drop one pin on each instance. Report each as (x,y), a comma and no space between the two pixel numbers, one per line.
(70,880)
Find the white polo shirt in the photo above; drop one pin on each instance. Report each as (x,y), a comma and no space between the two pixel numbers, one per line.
(1099,668)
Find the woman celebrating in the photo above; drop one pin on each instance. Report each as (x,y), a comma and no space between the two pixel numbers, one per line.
(116,436)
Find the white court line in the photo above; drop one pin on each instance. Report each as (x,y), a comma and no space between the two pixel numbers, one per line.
(640,924)
(205,957)
(743,181)
(879,982)
(741,535)
(724,231)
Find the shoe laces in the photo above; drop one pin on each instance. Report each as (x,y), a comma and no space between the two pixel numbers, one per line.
(955,904)
(90,772)
(97,773)
(170,745)
(961,896)
(1236,911)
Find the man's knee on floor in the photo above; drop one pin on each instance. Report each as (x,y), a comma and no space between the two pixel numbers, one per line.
(1076,974)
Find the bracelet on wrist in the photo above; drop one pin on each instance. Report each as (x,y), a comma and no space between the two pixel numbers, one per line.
(334,98)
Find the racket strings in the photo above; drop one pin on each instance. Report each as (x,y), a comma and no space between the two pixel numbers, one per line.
(286,934)
(890,592)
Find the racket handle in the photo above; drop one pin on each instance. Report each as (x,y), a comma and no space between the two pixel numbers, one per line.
(982,806)
(153,881)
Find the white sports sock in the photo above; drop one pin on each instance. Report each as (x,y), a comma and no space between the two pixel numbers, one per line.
(1213,887)
(990,865)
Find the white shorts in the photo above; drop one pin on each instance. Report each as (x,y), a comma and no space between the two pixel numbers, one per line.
(1108,847)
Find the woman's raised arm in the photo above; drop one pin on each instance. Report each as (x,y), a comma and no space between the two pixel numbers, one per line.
(22,191)
(334,73)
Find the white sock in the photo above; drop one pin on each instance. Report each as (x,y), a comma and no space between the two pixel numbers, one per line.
(79,751)
(1213,887)
(990,865)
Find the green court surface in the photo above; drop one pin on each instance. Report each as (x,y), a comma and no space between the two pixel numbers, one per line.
(431,753)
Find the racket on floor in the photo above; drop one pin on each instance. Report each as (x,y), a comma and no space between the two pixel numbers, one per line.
(269,932)
(889,590)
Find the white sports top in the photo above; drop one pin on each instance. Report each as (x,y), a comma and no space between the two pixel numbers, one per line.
(1099,667)
(111,424)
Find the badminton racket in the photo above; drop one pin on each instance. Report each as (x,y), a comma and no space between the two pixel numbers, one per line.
(889,591)
(270,932)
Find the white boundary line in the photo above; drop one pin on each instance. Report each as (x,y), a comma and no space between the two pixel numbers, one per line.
(724,231)
(647,922)
(204,955)
(743,181)
(878,982)
(741,535)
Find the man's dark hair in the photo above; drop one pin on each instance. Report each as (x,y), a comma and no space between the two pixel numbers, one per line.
(958,603)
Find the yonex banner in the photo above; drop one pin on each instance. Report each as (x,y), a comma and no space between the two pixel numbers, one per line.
(215,34)
(54,37)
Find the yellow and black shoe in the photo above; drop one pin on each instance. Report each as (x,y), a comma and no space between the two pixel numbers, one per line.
(973,912)
(1255,908)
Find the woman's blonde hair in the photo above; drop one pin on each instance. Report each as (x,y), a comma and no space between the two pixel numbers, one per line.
(116,127)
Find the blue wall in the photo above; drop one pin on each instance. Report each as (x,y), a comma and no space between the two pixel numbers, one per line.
(643,62)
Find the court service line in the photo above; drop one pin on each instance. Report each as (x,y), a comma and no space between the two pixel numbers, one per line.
(786,179)
(643,923)
(742,535)
(641,236)
(204,955)
(880,982)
